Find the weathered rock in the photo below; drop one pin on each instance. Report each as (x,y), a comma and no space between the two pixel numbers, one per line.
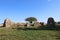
(7,23)
(28,25)
(21,25)
(36,24)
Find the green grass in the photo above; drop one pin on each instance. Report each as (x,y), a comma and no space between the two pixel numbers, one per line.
(14,34)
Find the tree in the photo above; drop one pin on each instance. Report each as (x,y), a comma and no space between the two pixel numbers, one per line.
(50,22)
(42,23)
(58,22)
(31,19)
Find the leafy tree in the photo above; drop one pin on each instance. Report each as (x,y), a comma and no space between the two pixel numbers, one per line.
(50,22)
(31,19)
(58,22)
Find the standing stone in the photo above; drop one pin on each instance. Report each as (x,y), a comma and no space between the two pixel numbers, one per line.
(28,25)
(7,23)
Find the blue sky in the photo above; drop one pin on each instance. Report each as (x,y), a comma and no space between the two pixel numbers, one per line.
(18,10)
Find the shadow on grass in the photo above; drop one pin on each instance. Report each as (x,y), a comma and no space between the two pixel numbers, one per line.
(56,28)
(41,28)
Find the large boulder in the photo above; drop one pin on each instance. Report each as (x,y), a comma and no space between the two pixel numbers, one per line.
(7,23)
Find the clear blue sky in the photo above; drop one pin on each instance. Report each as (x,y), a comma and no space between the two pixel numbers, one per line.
(18,10)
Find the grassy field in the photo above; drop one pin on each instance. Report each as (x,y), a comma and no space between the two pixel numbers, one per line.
(14,34)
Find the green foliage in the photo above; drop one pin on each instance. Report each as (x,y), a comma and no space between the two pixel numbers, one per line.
(58,22)
(42,23)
